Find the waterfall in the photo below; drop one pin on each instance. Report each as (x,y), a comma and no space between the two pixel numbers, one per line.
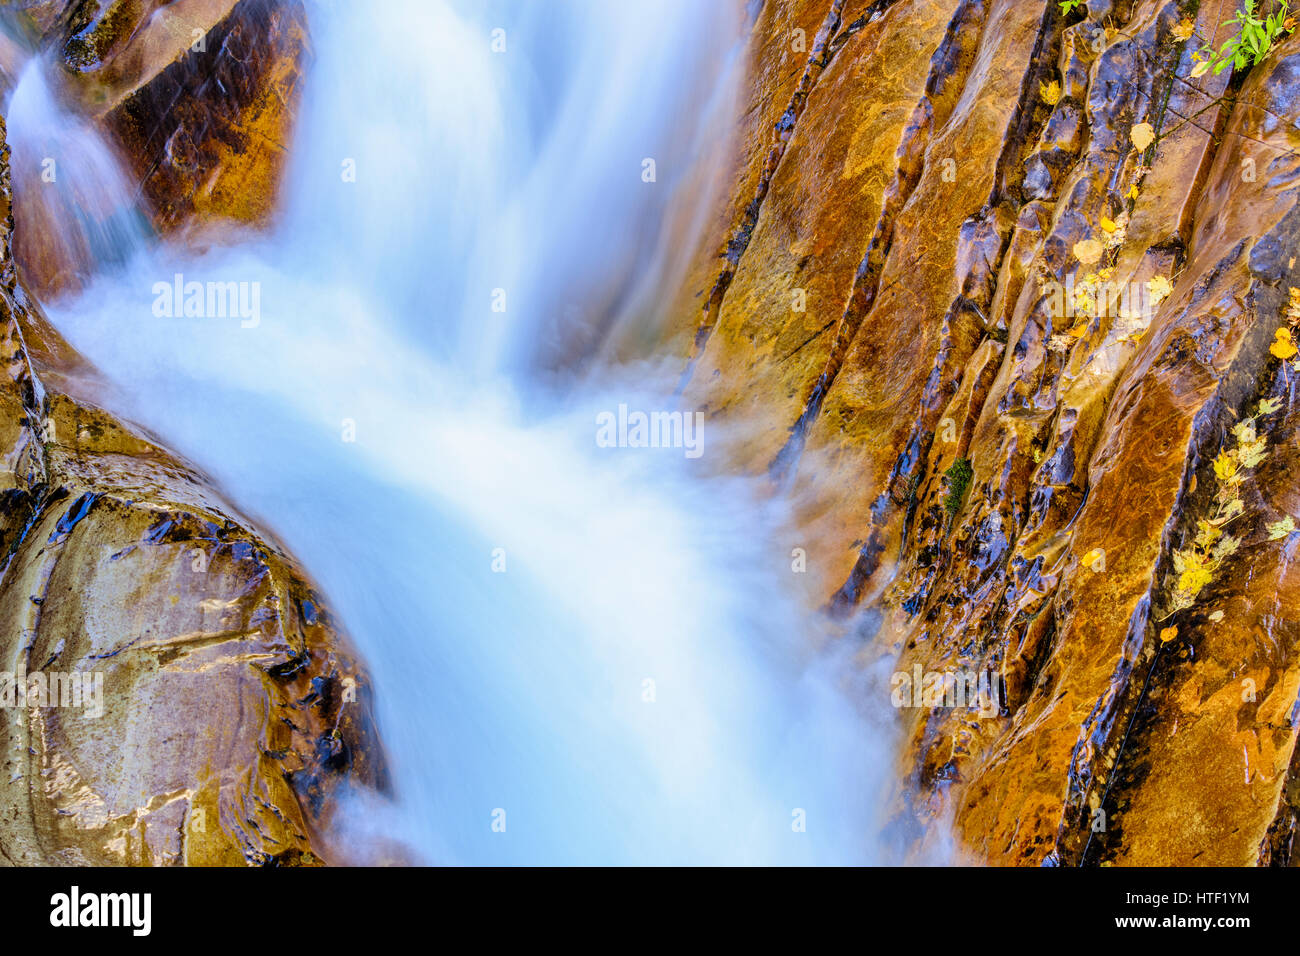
(74,208)
(602,647)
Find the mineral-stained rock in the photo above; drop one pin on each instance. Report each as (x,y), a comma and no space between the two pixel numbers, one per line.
(234,711)
(889,297)
(200,95)
(207,134)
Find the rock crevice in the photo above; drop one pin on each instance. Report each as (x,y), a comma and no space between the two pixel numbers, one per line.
(998,476)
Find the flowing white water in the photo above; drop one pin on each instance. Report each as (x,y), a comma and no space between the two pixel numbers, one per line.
(78,208)
(640,684)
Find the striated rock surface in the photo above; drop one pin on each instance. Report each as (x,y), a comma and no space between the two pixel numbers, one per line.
(995,476)
(200,97)
(234,711)
(207,130)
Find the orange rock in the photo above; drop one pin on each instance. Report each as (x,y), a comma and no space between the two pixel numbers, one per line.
(207,134)
(928,202)
(200,95)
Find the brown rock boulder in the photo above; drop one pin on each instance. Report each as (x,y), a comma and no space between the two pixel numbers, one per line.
(231,711)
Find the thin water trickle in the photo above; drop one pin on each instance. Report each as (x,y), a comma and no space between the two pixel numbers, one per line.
(600,647)
(76,212)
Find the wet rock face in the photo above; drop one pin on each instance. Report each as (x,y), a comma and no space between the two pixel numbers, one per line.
(1001,467)
(208,134)
(200,95)
(186,696)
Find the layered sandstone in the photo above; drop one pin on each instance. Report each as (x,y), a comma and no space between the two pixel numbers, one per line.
(875,303)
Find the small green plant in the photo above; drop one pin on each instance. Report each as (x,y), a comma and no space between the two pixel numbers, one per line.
(1256,33)
(1068,5)
(959,475)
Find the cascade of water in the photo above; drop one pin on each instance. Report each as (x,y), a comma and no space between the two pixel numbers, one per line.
(75,211)
(597,646)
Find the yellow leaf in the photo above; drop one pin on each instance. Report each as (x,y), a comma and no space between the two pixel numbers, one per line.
(1193,579)
(1087,251)
(1216,617)
(1283,348)
(1132,192)
(1108,225)
(1200,69)
(1225,466)
(1252,453)
(1091,557)
(1050,92)
(1225,546)
(1280,529)
(1184,29)
(1168,634)
(1079,331)
(1142,136)
(1159,288)
(1207,533)
(1229,511)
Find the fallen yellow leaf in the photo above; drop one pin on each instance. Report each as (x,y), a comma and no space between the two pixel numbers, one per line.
(1225,466)
(1193,579)
(1087,251)
(1142,135)
(1280,529)
(1168,634)
(1050,92)
(1108,225)
(1282,346)
(1200,69)
(1159,288)
(1184,29)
